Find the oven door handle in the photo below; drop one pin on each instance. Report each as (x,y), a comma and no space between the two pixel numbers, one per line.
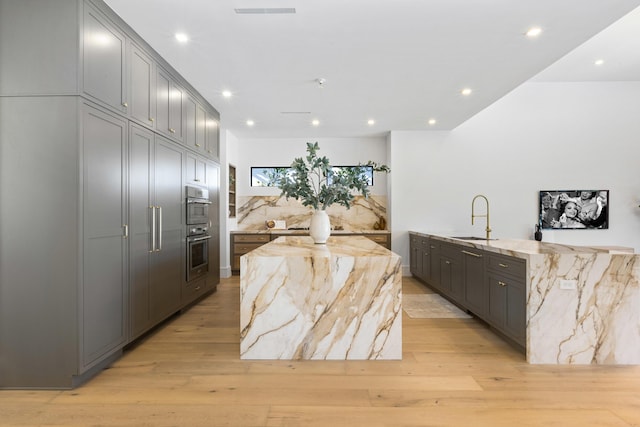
(198,239)
(199,202)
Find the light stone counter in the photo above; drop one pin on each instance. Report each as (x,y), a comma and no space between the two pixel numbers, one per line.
(598,322)
(340,301)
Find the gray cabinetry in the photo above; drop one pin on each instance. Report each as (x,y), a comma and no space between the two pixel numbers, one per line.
(142,86)
(212,136)
(103,53)
(491,286)
(506,307)
(197,170)
(103,259)
(169,105)
(157,242)
(415,253)
(451,271)
(473,268)
(104,272)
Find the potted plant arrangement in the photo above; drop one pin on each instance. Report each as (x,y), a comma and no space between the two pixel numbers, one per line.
(314,182)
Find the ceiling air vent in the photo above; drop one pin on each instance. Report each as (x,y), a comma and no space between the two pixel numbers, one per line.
(266,10)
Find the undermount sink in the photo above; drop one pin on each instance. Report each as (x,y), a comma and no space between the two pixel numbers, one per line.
(469,238)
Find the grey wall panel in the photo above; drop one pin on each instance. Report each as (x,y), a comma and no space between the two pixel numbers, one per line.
(38,241)
(29,40)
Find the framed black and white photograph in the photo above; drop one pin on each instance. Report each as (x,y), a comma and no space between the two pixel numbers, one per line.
(574,209)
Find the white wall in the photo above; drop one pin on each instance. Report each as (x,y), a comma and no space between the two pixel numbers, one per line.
(542,136)
(228,155)
(282,151)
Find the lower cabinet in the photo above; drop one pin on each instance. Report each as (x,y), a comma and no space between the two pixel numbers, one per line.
(473,268)
(244,243)
(451,271)
(506,306)
(491,286)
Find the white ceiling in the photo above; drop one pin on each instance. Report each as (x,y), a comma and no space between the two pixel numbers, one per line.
(399,62)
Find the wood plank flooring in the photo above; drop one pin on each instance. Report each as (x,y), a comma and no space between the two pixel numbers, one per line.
(454,372)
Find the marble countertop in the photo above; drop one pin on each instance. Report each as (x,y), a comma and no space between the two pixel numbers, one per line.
(523,248)
(336,246)
(306,232)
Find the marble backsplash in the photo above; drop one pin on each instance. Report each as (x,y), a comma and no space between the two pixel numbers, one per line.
(364,214)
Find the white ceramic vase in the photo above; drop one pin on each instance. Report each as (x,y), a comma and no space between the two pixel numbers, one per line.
(320,227)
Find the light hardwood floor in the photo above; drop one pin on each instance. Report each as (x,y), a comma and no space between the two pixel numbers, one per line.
(454,372)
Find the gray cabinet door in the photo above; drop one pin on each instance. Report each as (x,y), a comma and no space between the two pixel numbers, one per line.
(415,260)
(425,263)
(473,268)
(212,144)
(141,244)
(142,87)
(169,106)
(103,56)
(104,267)
(167,272)
(156,243)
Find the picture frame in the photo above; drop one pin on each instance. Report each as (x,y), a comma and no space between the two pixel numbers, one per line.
(573,209)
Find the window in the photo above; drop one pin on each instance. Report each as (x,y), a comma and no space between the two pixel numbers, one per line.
(261,175)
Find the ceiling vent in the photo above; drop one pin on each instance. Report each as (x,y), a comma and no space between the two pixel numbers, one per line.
(266,10)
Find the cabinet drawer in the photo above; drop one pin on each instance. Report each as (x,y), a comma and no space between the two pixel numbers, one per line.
(451,251)
(378,238)
(243,248)
(508,265)
(253,238)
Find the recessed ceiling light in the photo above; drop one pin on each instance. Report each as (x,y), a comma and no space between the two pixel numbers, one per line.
(466,91)
(371,122)
(599,61)
(533,32)
(182,37)
(315,122)
(250,123)
(432,122)
(227,93)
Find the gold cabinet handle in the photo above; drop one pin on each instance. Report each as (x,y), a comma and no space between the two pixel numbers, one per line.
(503,265)
(197,145)
(448,262)
(472,254)
(172,130)
(125,104)
(151,119)
(502,283)
(126,231)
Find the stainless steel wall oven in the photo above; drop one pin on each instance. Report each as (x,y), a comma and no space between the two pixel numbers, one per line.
(197,233)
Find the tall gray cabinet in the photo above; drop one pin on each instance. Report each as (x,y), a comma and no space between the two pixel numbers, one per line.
(93,162)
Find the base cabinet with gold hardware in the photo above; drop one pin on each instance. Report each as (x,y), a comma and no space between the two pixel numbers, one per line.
(491,286)
(506,304)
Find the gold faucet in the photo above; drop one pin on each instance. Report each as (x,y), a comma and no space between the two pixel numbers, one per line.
(473,215)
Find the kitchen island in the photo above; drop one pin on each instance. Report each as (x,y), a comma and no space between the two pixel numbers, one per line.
(338,301)
(580,305)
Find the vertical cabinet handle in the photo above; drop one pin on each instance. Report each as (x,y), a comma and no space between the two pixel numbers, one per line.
(153,228)
(159,228)
(126,231)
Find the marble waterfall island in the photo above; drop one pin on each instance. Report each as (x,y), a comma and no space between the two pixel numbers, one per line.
(338,301)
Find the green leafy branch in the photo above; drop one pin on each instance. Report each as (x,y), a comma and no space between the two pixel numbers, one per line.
(317,184)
